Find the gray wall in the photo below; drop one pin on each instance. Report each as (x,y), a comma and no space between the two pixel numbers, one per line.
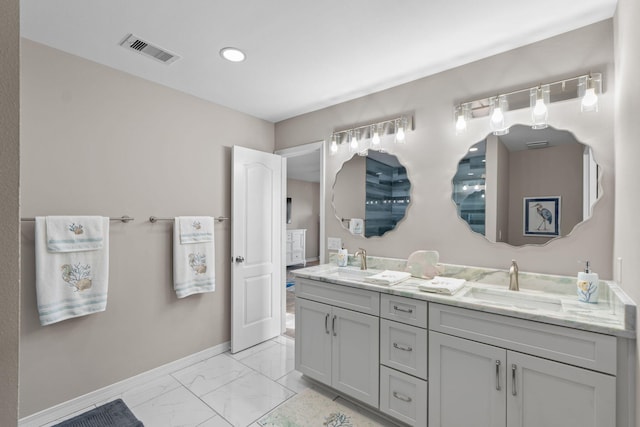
(552,171)
(99,141)
(9,210)
(432,151)
(305,212)
(627,150)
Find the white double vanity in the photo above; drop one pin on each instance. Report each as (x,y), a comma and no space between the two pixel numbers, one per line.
(485,356)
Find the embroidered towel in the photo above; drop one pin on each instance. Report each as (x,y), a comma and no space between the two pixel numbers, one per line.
(442,285)
(193,263)
(70,284)
(356,226)
(74,233)
(195,229)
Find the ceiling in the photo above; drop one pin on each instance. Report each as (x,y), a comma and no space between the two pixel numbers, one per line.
(302,55)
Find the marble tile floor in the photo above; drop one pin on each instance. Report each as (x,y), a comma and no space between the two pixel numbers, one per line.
(224,390)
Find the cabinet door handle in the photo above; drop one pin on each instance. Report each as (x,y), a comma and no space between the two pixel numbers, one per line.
(326,323)
(514,391)
(404,310)
(402,397)
(333,325)
(498,375)
(402,347)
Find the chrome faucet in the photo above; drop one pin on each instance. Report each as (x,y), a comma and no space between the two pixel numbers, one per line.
(513,276)
(363,258)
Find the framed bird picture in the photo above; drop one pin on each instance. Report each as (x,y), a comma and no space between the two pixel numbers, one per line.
(541,216)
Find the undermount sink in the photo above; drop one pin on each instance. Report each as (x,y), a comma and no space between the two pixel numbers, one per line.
(516,299)
(350,273)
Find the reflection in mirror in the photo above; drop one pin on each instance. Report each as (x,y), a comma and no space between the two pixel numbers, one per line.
(499,172)
(371,193)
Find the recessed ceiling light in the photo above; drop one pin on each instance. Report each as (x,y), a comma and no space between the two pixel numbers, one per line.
(472,149)
(232,54)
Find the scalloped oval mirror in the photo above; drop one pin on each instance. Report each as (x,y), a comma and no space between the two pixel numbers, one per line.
(526,187)
(371,193)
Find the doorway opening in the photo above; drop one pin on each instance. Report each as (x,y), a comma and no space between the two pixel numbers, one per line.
(303,226)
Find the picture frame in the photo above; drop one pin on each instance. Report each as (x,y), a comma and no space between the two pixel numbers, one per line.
(541,216)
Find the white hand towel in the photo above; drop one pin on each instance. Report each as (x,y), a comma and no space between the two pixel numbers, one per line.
(356,226)
(195,229)
(74,233)
(70,284)
(193,265)
(388,277)
(442,285)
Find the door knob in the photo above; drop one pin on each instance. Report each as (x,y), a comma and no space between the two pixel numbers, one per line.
(239,259)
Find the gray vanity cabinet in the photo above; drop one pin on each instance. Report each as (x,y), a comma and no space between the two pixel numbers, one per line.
(491,384)
(335,345)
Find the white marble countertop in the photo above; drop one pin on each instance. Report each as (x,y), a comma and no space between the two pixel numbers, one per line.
(542,298)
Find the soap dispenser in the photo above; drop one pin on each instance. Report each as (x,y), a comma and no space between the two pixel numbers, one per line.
(343,257)
(587,285)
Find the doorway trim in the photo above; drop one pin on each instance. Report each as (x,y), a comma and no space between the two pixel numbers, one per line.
(300,150)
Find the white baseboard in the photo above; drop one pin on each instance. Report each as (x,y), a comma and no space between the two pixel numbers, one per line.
(101,395)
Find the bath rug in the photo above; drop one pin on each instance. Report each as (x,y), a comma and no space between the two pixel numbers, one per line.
(114,413)
(312,409)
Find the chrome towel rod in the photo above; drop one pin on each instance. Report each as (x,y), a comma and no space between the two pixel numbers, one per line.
(156,219)
(123,218)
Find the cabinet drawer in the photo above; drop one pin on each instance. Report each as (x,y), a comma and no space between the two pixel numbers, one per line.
(405,310)
(572,346)
(403,397)
(340,296)
(403,347)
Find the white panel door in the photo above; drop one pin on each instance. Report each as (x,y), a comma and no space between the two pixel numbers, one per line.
(542,393)
(467,383)
(256,244)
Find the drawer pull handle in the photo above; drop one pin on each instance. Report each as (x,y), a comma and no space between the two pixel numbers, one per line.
(333,326)
(498,375)
(402,347)
(401,397)
(404,310)
(326,323)
(514,391)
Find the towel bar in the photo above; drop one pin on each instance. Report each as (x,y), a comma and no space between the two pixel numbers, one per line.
(123,218)
(156,219)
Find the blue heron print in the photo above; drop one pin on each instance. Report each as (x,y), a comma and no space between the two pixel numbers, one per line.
(545,215)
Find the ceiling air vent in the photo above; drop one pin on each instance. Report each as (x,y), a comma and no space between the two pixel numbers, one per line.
(135,43)
(537,144)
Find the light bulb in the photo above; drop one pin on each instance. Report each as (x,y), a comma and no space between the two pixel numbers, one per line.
(464,188)
(400,132)
(334,146)
(461,124)
(375,140)
(353,144)
(589,100)
(497,117)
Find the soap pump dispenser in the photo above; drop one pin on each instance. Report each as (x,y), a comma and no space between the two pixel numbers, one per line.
(587,285)
(343,257)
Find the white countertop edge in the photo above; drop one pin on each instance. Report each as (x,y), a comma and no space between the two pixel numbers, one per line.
(615,326)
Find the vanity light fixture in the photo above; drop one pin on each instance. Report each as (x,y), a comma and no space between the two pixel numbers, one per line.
(539,99)
(361,138)
(586,87)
